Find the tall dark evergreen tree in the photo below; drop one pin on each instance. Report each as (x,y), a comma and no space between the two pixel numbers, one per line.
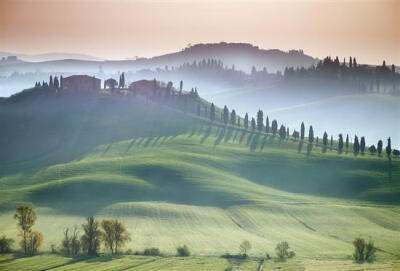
(362,145)
(347,143)
(274,127)
(302,131)
(56,83)
(331,141)
(325,141)
(181,86)
(287,132)
(226,115)
(311,135)
(212,112)
(233,117)
(253,124)
(246,121)
(340,144)
(389,147)
(267,125)
(51,81)
(260,120)
(380,146)
(282,132)
(356,146)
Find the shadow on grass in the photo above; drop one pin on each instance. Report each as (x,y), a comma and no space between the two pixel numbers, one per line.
(207,133)
(219,138)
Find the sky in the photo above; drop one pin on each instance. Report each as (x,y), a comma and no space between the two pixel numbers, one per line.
(119,29)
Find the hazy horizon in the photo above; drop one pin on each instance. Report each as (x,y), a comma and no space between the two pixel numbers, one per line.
(126,29)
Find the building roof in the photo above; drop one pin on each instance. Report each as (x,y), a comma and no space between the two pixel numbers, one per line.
(81,77)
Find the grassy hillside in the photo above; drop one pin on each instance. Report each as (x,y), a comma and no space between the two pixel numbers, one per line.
(212,188)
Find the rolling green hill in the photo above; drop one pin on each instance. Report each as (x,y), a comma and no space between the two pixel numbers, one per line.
(175,180)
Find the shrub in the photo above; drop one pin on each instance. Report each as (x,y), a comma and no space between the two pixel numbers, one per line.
(153,251)
(183,251)
(396,152)
(283,250)
(244,248)
(5,244)
(372,149)
(363,251)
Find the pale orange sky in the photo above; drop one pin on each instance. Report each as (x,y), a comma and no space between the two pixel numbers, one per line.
(367,29)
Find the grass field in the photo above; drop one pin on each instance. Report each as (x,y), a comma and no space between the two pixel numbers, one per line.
(142,263)
(212,188)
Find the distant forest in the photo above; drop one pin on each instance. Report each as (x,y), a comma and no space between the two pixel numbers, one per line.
(365,78)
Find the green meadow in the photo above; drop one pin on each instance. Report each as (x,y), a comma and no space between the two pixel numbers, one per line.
(182,181)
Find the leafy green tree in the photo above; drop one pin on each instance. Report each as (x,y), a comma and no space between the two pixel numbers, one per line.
(253,124)
(26,218)
(362,145)
(91,237)
(274,127)
(363,251)
(246,121)
(233,117)
(267,125)
(260,120)
(212,112)
(226,115)
(302,131)
(244,248)
(380,146)
(283,251)
(5,244)
(114,234)
(183,251)
(311,135)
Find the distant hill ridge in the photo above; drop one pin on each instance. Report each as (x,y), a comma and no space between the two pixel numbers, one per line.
(242,55)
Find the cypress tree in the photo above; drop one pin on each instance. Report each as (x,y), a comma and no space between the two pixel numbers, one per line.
(180,86)
(356,145)
(362,145)
(331,141)
(380,146)
(274,127)
(302,131)
(260,120)
(267,125)
(56,83)
(347,143)
(246,121)
(287,132)
(226,115)
(389,147)
(325,141)
(253,124)
(282,132)
(233,117)
(340,144)
(51,81)
(212,112)
(311,135)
